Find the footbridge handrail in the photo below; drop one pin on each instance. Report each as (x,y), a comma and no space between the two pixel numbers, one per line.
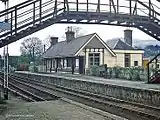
(150,8)
(11,9)
(34,13)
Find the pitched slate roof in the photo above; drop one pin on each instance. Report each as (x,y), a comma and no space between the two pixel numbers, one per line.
(118,44)
(67,49)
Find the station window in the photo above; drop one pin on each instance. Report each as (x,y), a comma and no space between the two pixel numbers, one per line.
(94,59)
(127,60)
(135,63)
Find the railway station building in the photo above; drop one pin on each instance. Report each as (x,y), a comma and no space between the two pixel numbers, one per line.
(79,54)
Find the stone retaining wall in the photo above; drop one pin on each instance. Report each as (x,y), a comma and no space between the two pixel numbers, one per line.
(151,97)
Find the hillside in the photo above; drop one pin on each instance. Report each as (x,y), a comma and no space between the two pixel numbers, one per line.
(143,43)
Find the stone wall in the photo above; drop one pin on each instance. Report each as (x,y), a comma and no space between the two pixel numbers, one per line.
(151,97)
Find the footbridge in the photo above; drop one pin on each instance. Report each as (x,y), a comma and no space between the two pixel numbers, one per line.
(33,15)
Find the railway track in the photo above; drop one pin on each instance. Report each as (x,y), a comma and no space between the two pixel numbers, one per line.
(122,108)
(18,93)
(27,93)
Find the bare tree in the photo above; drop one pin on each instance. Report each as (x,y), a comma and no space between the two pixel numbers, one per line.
(30,46)
(78,31)
(47,42)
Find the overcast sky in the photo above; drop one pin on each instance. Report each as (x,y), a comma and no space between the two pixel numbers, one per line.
(104,31)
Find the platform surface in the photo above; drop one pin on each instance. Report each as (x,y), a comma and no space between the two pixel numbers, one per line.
(54,110)
(112,81)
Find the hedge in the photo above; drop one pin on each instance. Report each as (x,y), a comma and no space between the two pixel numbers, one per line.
(132,73)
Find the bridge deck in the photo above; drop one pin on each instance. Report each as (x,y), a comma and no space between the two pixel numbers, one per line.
(117,82)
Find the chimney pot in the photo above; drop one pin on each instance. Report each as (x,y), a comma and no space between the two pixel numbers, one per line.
(128,36)
(70,34)
(53,40)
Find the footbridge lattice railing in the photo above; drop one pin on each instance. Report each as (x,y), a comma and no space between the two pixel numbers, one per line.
(34,15)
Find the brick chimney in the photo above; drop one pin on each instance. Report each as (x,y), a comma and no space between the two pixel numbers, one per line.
(128,36)
(70,34)
(53,40)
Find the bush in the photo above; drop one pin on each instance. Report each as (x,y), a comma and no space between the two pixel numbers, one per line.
(132,73)
(94,70)
(117,71)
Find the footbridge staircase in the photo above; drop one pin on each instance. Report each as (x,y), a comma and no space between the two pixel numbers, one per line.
(154,69)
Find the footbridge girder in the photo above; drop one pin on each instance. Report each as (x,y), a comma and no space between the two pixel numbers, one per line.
(34,15)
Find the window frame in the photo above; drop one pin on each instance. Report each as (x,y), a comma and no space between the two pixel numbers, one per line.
(127,60)
(94,59)
(135,63)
